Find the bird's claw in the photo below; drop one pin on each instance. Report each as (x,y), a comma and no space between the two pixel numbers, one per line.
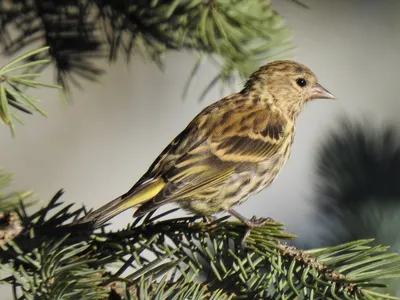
(254,222)
(257,222)
(209,219)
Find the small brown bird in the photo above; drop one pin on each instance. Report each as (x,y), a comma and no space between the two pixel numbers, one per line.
(230,151)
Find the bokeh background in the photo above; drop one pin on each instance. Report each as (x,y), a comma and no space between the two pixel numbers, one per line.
(100,145)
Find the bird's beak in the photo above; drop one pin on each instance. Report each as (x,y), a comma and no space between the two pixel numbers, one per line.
(319,92)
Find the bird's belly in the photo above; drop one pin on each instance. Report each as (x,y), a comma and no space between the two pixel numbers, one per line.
(242,185)
(265,174)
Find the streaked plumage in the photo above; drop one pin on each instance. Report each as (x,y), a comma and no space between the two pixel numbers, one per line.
(230,151)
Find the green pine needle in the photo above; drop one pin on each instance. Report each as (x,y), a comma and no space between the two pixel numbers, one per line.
(184,258)
(13,98)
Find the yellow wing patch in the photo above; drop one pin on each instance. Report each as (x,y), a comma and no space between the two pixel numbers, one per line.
(143,193)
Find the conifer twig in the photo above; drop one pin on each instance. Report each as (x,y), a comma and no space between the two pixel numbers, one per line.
(161,256)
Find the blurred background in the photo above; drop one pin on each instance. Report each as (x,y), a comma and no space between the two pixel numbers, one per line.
(345,159)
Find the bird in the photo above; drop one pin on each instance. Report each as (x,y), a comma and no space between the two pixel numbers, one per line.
(230,151)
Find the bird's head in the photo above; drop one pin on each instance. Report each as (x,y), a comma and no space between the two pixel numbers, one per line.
(287,84)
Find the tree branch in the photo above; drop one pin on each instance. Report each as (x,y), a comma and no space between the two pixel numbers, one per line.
(157,255)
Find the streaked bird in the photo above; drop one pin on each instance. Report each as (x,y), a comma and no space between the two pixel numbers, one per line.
(230,151)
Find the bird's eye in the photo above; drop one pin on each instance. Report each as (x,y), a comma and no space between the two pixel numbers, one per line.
(301,82)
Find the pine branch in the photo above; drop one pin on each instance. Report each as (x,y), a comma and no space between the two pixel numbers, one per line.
(371,157)
(158,257)
(10,224)
(13,98)
(369,188)
(364,201)
(9,200)
(238,35)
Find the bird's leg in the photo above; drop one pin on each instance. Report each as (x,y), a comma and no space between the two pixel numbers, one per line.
(250,223)
(209,219)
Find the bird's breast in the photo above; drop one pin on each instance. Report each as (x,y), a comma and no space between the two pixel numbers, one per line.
(244,184)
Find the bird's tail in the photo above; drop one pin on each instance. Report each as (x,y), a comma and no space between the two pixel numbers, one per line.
(142,193)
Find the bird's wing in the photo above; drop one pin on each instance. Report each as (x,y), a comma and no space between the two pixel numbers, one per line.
(252,136)
(232,140)
(192,174)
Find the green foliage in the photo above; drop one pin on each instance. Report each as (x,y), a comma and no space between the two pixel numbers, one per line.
(238,35)
(157,257)
(49,255)
(9,200)
(371,158)
(12,96)
(364,201)
(51,270)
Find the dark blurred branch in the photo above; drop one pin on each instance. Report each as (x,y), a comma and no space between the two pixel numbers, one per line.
(358,192)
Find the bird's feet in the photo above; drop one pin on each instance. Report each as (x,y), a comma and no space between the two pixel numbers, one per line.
(251,224)
(257,222)
(209,219)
